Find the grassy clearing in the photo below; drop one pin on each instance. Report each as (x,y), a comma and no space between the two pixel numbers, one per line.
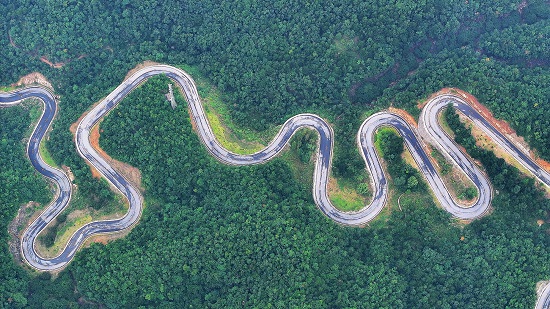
(79,214)
(46,156)
(301,157)
(232,137)
(343,193)
(7,88)
(68,228)
(344,196)
(302,168)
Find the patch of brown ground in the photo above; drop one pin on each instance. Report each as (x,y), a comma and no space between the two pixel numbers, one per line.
(56,65)
(421,104)
(73,127)
(33,78)
(106,238)
(132,174)
(94,140)
(405,115)
(144,64)
(75,220)
(68,171)
(544,164)
(75,214)
(501,125)
(485,142)
(45,59)
(331,185)
(12,43)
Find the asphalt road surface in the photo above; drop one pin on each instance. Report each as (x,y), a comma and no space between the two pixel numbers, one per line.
(429,129)
(543,301)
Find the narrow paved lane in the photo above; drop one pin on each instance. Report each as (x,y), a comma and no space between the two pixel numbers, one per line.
(429,128)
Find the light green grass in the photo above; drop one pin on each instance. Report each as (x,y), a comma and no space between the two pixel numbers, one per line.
(69,227)
(234,138)
(7,88)
(65,230)
(302,171)
(245,141)
(345,198)
(46,156)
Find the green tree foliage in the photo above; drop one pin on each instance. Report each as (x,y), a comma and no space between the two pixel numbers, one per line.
(231,236)
(514,93)
(218,236)
(405,177)
(20,184)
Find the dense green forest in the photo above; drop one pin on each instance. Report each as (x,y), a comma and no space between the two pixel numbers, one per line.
(218,236)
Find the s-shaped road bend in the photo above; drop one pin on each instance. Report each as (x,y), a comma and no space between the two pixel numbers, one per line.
(428,126)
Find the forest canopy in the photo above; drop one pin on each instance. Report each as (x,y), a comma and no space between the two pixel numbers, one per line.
(218,236)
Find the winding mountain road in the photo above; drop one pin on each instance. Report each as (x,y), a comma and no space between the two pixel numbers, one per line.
(429,128)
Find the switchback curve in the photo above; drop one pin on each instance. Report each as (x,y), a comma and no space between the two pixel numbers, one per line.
(428,126)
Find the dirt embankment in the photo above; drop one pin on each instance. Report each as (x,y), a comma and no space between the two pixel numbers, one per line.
(501,125)
(144,64)
(55,65)
(405,115)
(33,79)
(132,174)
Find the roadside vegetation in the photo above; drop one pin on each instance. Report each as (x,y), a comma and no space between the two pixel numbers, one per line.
(460,186)
(219,236)
(237,139)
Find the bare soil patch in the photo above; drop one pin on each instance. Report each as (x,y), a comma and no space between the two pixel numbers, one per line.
(144,64)
(471,100)
(45,59)
(12,43)
(405,115)
(73,128)
(485,142)
(75,220)
(56,65)
(501,125)
(68,171)
(132,174)
(32,79)
(106,238)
